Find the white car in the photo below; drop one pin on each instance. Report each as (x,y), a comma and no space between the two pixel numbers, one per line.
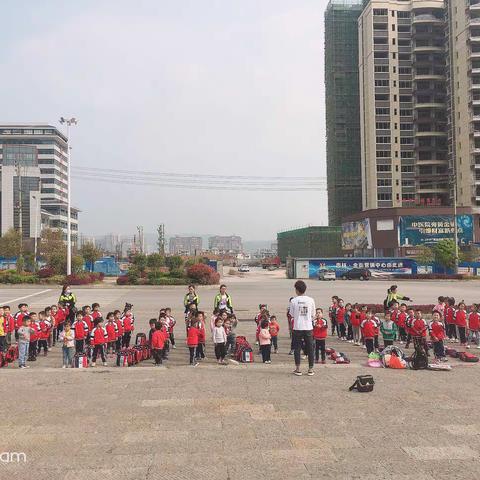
(244,268)
(326,274)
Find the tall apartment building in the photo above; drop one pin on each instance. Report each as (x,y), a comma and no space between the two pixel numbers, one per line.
(229,244)
(185,245)
(402,68)
(463,41)
(34,157)
(344,182)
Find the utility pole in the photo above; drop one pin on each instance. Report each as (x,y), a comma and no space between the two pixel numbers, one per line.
(455,226)
(141,239)
(20,216)
(161,239)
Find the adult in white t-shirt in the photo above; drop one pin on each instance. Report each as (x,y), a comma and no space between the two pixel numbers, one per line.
(302,310)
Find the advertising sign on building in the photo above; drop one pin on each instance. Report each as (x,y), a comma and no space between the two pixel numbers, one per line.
(356,235)
(379,267)
(425,230)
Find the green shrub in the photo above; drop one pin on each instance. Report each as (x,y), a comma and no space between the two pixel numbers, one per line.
(169,281)
(17,278)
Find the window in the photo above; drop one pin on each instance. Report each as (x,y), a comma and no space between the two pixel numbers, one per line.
(404,70)
(406,141)
(384,196)
(401,14)
(404,112)
(384,182)
(380,55)
(404,84)
(408,197)
(407,168)
(408,182)
(404,56)
(380,11)
(383,139)
(381,83)
(383,154)
(382,111)
(382,96)
(406,126)
(380,41)
(382,125)
(406,155)
(403,28)
(406,98)
(381,68)
(384,168)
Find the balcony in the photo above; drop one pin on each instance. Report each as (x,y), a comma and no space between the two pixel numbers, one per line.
(427,18)
(435,133)
(474,54)
(432,76)
(429,105)
(474,39)
(474,21)
(475,70)
(474,86)
(428,48)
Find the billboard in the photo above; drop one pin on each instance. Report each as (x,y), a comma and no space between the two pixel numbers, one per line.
(425,230)
(379,267)
(356,235)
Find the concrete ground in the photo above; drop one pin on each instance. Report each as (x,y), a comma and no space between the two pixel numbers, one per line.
(237,421)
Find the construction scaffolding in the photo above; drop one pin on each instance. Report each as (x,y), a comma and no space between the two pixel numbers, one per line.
(342,109)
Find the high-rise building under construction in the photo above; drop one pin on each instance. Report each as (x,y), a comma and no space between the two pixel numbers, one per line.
(342,109)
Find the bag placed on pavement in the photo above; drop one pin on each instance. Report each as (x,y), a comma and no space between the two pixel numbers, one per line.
(467,357)
(363,383)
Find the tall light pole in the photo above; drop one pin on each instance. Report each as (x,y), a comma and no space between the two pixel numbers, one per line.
(69,122)
(37,208)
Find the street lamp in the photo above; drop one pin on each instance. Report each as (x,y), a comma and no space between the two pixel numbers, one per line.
(37,208)
(69,122)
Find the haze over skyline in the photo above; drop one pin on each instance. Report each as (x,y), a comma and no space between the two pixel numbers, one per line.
(213,87)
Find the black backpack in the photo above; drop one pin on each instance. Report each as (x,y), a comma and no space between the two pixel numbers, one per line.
(363,383)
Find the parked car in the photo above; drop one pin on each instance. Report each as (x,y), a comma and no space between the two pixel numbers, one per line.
(244,268)
(357,274)
(324,274)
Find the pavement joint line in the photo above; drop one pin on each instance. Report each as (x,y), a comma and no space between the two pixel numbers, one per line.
(26,296)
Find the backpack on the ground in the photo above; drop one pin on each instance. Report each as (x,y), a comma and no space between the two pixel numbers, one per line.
(12,354)
(141,339)
(243,350)
(467,357)
(122,358)
(80,360)
(451,352)
(363,383)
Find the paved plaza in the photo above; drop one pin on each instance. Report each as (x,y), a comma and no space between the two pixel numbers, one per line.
(238,421)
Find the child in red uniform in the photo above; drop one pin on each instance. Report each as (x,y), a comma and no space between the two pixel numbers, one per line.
(80,328)
(363,316)
(408,326)
(96,313)
(10,325)
(128,327)
(332,313)
(98,338)
(22,312)
(274,328)
(320,332)
(158,343)
(44,333)
(401,322)
(450,320)
(419,330)
(192,341)
(474,325)
(437,335)
(461,323)
(117,315)
(88,319)
(369,328)
(202,335)
(340,319)
(356,321)
(112,329)
(34,335)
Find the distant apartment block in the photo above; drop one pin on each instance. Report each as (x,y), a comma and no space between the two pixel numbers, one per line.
(222,245)
(185,245)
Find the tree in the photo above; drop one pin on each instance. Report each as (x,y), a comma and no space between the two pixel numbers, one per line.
(140,261)
(10,243)
(425,255)
(155,261)
(77,263)
(53,250)
(90,253)
(445,253)
(174,262)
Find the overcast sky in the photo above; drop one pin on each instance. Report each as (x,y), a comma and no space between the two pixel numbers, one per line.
(227,87)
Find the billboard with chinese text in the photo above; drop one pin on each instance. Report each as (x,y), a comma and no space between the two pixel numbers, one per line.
(425,230)
(356,235)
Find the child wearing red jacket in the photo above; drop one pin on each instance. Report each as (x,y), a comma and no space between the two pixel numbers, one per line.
(128,327)
(98,338)
(158,343)
(320,332)
(34,334)
(88,319)
(369,328)
(80,327)
(450,319)
(461,323)
(356,321)
(402,322)
(112,329)
(274,328)
(119,322)
(340,319)
(96,313)
(474,325)
(192,341)
(419,330)
(437,335)
(44,333)
(202,335)
(10,325)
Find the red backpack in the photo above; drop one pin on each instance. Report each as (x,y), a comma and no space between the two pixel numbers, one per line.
(467,357)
